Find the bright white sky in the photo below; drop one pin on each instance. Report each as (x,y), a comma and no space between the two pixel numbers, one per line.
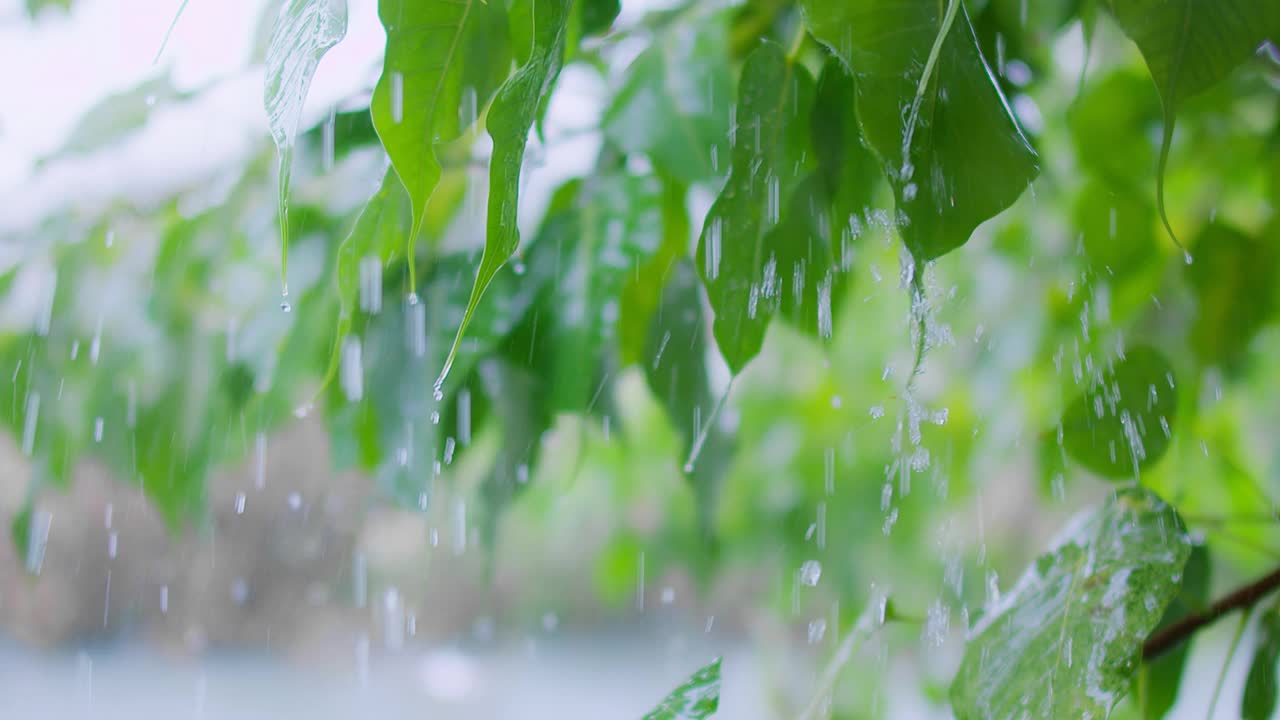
(60,65)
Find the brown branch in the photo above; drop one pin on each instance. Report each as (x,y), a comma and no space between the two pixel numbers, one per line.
(1242,597)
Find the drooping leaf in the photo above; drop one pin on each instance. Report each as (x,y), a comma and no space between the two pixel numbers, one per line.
(116,117)
(1189,46)
(671,103)
(696,699)
(304,31)
(961,158)
(1234,278)
(1164,674)
(442,58)
(1259,701)
(1066,639)
(738,266)
(510,118)
(675,366)
(1123,422)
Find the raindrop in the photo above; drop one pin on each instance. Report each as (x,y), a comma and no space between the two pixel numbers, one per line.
(668,595)
(29,423)
(817,630)
(397,97)
(97,430)
(550,621)
(285,306)
(412,299)
(113,544)
(810,572)
(239,503)
(295,501)
(38,540)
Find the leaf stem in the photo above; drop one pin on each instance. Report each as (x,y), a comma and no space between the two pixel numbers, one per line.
(860,631)
(1241,598)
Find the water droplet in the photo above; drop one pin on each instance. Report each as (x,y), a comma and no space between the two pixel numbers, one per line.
(810,572)
(412,299)
(286,306)
(817,630)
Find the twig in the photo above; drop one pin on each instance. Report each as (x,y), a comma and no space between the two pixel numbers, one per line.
(1240,598)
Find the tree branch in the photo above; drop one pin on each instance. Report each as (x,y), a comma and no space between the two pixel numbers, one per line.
(1243,597)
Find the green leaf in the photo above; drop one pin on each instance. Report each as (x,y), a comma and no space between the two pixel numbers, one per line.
(1123,422)
(1163,676)
(509,120)
(20,532)
(35,7)
(962,158)
(1110,127)
(1234,278)
(598,15)
(1189,46)
(304,31)
(675,366)
(616,228)
(1117,229)
(696,699)
(441,58)
(116,117)
(1259,702)
(736,259)
(1065,640)
(670,107)
(640,298)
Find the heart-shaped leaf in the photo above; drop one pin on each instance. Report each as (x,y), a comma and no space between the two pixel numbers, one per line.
(1065,640)
(1189,46)
(930,108)
(1124,421)
(737,264)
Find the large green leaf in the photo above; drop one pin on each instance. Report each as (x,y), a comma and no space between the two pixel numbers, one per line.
(1065,640)
(441,59)
(696,699)
(303,33)
(1189,46)
(736,261)
(930,108)
(1259,701)
(1163,676)
(671,103)
(1234,278)
(512,115)
(1124,421)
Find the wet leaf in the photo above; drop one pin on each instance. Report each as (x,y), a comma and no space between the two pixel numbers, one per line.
(616,227)
(598,15)
(639,300)
(510,118)
(1259,701)
(1123,423)
(738,266)
(671,104)
(441,59)
(1066,639)
(698,698)
(675,366)
(1234,278)
(304,31)
(1163,676)
(1189,46)
(963,158)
